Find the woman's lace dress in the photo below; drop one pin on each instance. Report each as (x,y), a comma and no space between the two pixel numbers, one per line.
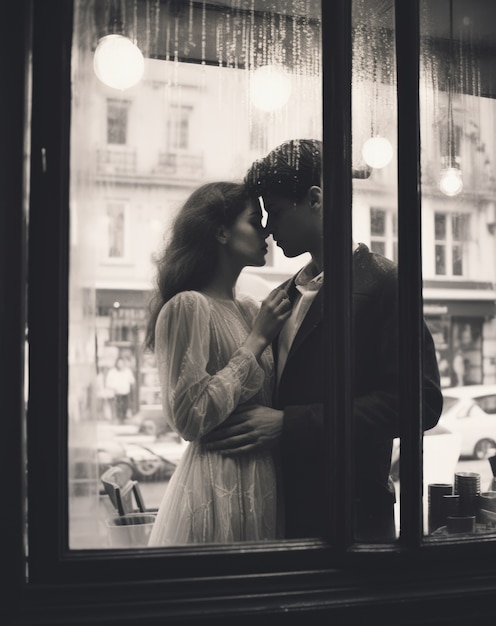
(204,375)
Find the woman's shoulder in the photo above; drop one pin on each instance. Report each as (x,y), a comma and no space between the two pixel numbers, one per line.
(186,297)
(184,303)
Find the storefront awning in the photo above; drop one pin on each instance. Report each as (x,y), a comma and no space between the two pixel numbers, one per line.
(460,308)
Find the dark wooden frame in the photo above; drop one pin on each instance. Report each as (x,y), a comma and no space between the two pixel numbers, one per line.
(291,582)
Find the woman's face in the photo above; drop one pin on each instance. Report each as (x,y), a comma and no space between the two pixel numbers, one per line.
(246,243)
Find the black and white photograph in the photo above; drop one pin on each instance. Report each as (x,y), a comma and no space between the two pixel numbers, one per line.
(249,311)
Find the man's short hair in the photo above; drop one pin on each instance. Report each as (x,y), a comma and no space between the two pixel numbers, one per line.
(289,170)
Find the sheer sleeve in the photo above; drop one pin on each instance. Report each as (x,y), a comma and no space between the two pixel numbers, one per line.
(196,399)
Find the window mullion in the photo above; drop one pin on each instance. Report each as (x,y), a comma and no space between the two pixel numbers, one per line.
(336,53)
(48,285)
(410,270)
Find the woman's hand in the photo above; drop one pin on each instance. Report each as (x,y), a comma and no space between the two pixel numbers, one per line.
(275,310)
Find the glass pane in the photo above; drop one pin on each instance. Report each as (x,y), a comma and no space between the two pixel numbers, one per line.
(440,252)
(458,117)
(374,145)
(440,225)
(193,93)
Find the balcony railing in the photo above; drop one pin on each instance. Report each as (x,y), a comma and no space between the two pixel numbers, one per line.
(116,161)
(180,164)
(122,161)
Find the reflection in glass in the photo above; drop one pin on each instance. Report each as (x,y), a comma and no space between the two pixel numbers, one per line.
(458,116)
(137,153)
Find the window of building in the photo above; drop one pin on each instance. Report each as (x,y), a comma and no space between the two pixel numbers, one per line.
(117,121)
(384,233)
(451,234)
(178,127)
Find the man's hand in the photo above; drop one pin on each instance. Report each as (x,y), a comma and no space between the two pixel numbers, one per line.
(247,429)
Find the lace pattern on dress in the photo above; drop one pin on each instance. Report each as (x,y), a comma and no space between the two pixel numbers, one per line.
(205,373)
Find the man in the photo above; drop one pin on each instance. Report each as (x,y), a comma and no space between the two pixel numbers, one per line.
(289,182)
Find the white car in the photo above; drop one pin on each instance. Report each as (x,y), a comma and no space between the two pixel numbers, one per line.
(471,411)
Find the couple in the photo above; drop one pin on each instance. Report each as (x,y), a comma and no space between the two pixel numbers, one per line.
(246,384)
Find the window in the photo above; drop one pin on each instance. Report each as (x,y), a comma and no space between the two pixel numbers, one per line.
(200,113)
(178,127)
(451,233)
(384,233)
(117,121)
(184,585)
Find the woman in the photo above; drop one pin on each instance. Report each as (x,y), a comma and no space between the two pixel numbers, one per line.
(213,354)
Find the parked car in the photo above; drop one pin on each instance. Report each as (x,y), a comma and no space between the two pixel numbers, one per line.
(471,411)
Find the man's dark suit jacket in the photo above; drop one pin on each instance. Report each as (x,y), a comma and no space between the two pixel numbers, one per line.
(301,394)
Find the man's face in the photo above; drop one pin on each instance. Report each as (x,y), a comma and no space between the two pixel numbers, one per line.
(291,223)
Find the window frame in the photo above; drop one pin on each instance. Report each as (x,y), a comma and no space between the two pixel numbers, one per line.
(408,582)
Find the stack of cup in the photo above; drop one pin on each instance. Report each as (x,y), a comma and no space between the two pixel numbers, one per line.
(487,510)
(436,507)
(467,486)
(460,524)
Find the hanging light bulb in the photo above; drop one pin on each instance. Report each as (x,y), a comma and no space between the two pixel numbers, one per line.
(270,88)
(450,181)
(118,62)
(377,152)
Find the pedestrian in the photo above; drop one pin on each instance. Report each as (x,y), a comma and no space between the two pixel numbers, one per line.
(120,380)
